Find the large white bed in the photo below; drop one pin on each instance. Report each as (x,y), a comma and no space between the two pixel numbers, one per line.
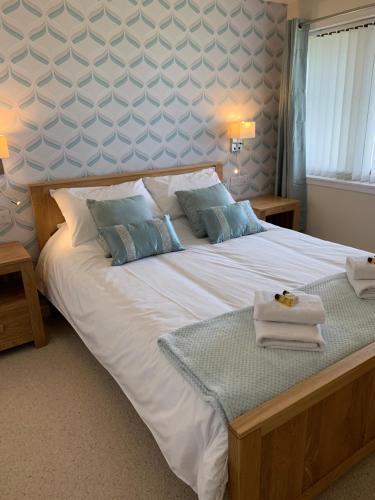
(119,312)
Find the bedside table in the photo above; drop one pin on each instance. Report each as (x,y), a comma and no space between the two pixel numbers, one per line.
(284,212)
(20,316)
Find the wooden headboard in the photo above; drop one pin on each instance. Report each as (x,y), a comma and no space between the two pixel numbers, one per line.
(47,214)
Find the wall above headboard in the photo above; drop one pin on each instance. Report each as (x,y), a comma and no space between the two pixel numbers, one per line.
(94,87)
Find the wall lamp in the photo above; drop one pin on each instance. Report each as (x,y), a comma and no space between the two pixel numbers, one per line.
(4,153)
(238,132)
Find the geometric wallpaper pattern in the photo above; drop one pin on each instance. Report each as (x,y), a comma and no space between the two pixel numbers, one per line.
(92,87)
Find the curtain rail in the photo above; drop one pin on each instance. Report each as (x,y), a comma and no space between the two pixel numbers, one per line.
(349,11)
(351,28)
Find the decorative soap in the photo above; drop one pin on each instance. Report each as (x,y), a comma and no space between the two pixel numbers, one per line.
(287,298)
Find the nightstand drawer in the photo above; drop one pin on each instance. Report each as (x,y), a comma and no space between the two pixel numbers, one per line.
(15,327)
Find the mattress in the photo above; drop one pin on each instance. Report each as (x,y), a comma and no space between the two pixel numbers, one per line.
(119,312)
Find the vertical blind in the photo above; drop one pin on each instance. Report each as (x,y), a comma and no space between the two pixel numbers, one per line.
(340,105)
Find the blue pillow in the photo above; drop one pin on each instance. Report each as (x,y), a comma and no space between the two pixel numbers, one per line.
(129,210)
(231,221)
(198,199)
(131,242)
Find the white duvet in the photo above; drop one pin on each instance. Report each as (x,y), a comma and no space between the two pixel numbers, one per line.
(119,312)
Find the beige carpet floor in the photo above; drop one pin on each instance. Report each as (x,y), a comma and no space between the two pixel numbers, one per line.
(68,432)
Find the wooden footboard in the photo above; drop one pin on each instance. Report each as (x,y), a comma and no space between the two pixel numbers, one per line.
(295,445)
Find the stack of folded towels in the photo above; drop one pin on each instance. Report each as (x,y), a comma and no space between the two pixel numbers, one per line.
(361,275)
(297,328)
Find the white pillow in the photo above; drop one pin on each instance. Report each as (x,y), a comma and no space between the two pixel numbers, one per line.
(162,188)
(72,203)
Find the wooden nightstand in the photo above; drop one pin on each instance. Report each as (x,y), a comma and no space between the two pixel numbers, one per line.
(20,316)
(283,212)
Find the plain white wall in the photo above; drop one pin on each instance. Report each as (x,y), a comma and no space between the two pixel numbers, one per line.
(311,9)
(345,217)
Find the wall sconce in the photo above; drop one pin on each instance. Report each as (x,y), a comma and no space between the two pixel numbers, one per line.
(4,153)
(238,132)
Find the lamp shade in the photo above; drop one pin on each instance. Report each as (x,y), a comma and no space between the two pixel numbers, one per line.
(4,151)
(242,130)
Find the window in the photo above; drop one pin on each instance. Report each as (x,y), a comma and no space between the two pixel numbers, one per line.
(340,105)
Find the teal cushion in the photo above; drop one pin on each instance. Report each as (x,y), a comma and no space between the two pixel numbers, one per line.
(198,199)
(231,221)
(131,242)
(117,212)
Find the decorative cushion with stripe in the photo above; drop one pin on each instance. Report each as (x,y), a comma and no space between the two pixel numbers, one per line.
(131,242)
(230,221)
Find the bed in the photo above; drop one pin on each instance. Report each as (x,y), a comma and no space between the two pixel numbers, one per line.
(292,446)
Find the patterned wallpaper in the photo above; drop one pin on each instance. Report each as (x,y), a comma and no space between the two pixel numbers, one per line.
(91,87)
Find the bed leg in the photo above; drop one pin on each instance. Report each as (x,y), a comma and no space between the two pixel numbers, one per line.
(244,481)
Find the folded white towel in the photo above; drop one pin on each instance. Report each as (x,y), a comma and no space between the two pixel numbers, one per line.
(291,336)
(360,268)
(309,309)
(365,289)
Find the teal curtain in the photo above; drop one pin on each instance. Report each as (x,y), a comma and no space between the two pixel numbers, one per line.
(291,148)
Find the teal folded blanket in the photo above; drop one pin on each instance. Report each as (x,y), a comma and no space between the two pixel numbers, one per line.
(220,359)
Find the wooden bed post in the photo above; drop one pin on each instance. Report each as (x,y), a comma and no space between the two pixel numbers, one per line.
(244,482)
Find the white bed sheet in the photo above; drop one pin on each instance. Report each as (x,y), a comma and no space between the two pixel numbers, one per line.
(119,312)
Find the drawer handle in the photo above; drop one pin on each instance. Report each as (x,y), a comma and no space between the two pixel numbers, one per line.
(2,328)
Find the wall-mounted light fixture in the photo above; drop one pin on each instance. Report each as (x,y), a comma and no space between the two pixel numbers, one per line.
(4,152)
(238,132)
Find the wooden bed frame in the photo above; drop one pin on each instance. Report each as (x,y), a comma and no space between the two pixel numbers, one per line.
(295,445)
